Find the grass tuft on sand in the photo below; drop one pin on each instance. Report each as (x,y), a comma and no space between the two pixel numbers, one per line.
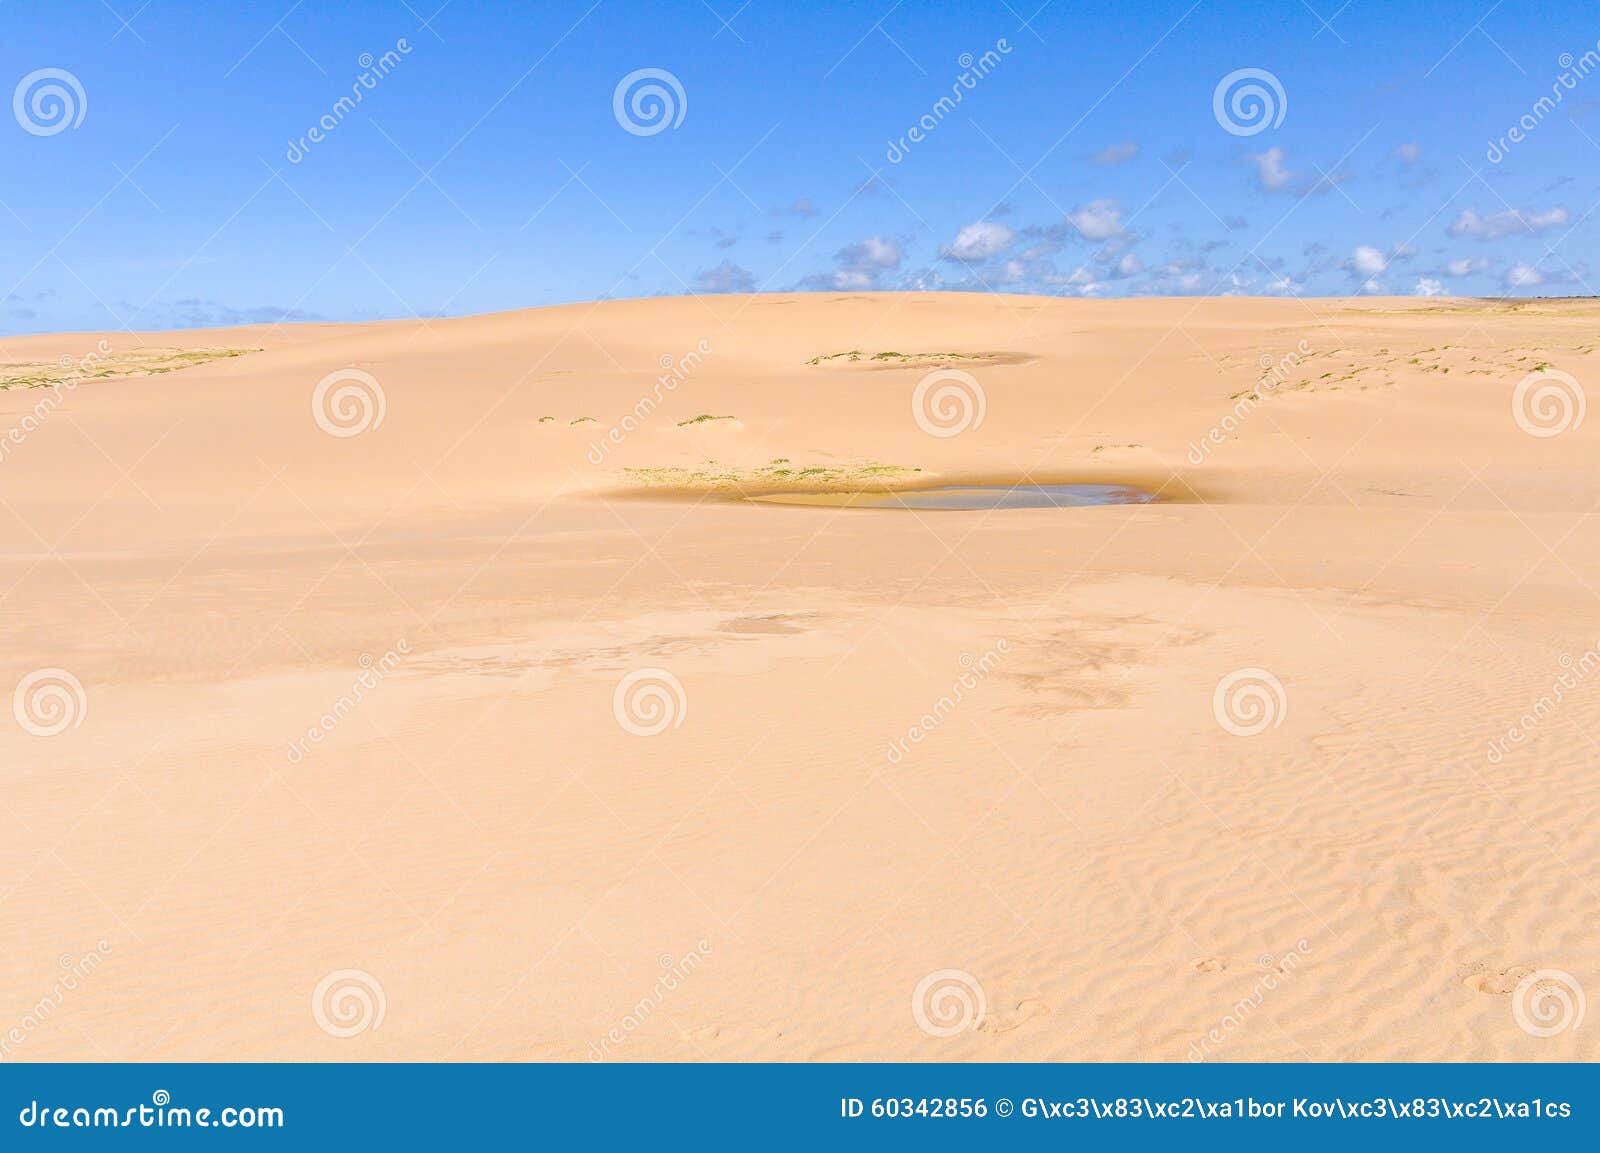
(889,358)
(780,475)
(111,366)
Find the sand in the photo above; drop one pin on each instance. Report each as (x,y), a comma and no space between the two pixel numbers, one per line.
(813,858)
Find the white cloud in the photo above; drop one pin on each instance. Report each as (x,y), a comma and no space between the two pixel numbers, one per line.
(853,280)
(1372,288)
(1427,286)
(1523,276)
(1369,261)
(874,251)
(858,267)
(725,277)
(1129,265)
(1117,153)
(980,241)
(1407,154)
(1512,221)
(1271,173)
(1097,220)
(1470,266)
(1084,281)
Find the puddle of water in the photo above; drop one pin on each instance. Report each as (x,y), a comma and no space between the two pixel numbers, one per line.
(969,497)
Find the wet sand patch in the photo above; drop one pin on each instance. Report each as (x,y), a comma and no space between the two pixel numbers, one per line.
(970,498)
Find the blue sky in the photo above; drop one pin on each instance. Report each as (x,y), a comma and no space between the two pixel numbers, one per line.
(487,168)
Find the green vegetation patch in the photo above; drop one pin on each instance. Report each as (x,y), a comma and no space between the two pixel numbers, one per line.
(780,475)
(110,365)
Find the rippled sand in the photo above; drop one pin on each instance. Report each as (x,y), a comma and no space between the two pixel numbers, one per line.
(395,723)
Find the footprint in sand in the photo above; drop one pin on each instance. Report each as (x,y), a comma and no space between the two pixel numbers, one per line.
(1024,1012)
(1208,964)
(1494,981)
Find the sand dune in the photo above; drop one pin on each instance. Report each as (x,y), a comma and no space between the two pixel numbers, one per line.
(512,550)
